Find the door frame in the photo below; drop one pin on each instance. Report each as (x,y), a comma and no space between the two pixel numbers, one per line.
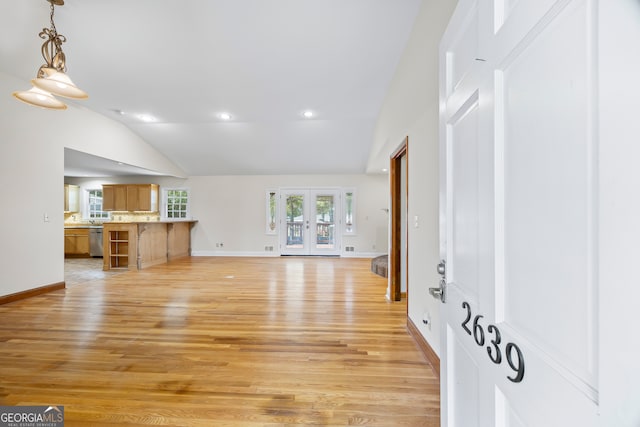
(396,173)
(309,193)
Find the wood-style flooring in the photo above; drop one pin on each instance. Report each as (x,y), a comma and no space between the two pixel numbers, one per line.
(220,342)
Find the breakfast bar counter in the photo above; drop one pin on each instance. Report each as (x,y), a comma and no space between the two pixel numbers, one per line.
(138,245)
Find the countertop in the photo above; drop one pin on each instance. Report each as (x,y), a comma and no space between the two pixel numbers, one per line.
(166,221)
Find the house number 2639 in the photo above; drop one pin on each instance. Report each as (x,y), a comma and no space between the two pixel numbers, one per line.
(494,349)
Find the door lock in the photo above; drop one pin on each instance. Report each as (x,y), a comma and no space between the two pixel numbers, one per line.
(442,268)
(440,292)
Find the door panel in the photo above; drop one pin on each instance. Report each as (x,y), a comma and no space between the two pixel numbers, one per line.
(294,238)
(462,53)
(520,220)
(311,219)
(465,383)
(548,183)
(324,213)
(463,143)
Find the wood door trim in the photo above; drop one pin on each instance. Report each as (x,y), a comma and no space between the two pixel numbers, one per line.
(395,171)
(31,293)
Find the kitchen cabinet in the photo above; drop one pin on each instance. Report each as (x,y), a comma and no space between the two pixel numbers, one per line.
(114,198)
(71,198)
(130,197)
(142,197)
(76,242)
(119,247)
(139,245)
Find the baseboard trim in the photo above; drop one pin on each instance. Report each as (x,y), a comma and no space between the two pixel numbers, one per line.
(31,293)
(360,254)
(424,347)
(275,254)
(234,254)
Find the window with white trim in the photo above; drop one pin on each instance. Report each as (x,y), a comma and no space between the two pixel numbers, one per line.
(272,211)
(349,210)
(94,205)
(176,203)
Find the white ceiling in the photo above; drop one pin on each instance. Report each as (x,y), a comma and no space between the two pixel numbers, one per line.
(262,61)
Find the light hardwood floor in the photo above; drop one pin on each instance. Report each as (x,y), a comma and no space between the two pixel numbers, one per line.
(220,342)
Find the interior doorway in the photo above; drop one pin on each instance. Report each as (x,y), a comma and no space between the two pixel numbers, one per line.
(398,257)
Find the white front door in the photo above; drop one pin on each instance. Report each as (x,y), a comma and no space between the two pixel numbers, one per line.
(310,222)
(520,342)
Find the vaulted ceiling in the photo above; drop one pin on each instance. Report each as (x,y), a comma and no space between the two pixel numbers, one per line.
(264,62)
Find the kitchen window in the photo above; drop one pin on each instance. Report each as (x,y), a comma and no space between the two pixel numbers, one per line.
(176,203)
(94,205)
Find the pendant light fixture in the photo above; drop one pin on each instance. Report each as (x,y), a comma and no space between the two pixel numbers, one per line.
(51,78)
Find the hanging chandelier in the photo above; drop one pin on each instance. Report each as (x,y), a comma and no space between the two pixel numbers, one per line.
(51,78)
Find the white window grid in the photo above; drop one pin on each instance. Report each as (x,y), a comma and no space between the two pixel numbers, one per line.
(177,204)
(94,205)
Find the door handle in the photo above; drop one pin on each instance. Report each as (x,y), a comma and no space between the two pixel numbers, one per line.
(440,292)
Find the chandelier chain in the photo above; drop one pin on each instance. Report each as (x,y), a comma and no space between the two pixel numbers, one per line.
(52,48)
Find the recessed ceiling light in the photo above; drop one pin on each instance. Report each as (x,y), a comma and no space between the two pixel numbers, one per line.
(308,114)
(147,118)
(385,170)
(225,116)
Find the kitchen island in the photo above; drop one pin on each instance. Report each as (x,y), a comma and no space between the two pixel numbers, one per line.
(138,245)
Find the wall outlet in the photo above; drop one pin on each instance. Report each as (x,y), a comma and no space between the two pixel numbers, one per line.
(349,248)
(268,248)
(426,319)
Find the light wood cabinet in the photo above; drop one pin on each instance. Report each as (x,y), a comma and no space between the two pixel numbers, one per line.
(71,198)
(76,242)
(114,198)
(142,197)
(138,245)
(120,246)
(130,197)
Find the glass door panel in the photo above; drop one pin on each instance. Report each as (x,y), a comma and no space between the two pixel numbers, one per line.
(295,209)
(309,219)
(325,222)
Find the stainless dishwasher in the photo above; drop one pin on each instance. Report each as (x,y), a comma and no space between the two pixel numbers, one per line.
(95,241)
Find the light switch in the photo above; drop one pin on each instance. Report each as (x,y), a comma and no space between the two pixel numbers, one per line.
(416,223)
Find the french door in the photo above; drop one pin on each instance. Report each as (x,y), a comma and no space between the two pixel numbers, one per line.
(310,222)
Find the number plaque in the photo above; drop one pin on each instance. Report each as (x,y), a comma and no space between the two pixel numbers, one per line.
(512,352)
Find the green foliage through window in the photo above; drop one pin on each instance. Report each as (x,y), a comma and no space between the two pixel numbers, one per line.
(94,210)
(177,204)
(295,208)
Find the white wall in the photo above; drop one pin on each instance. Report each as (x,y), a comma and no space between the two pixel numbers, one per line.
(32,142)
(411,109)
(231,210)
